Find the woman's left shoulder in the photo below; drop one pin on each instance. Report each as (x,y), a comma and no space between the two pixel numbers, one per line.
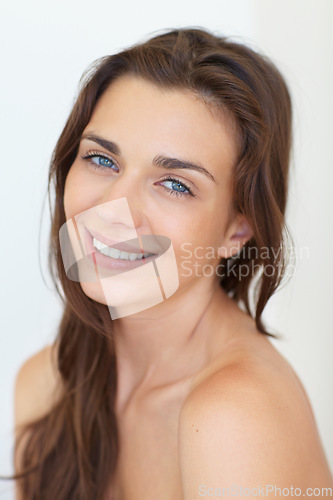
(250,419)
(250,384)
(252,371)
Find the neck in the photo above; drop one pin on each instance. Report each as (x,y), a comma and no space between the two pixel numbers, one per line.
(168,342)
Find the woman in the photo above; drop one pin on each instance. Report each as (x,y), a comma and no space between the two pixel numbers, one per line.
(162,382)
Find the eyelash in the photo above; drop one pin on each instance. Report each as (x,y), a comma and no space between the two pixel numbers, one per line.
(177,193)
(171,192)
(94,154)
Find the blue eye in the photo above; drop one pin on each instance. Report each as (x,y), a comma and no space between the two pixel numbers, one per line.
(176,188)
(99,161)
(102,161)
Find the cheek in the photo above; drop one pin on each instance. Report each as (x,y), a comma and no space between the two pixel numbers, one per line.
(78,193)
(70,194)
(200,224)
(196,235)
(198,239)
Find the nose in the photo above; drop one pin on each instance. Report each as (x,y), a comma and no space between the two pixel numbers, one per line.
(122,203)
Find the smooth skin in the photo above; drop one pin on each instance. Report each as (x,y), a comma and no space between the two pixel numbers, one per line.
(204,400)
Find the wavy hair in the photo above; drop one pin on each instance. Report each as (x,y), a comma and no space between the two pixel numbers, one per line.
(71,452)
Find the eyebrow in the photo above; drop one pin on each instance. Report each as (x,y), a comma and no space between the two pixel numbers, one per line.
(159,160)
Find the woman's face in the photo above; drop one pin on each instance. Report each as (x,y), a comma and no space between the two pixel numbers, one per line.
(135,182)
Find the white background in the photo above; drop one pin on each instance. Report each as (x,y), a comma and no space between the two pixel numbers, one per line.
(45,47)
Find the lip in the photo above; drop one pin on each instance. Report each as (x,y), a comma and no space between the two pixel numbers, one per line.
(104,261)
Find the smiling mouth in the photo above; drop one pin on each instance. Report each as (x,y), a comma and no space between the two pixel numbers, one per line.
(116,253)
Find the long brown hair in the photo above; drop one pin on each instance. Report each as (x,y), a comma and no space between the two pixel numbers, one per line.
(71,453)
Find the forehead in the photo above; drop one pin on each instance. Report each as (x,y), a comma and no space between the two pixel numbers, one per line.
(148,119)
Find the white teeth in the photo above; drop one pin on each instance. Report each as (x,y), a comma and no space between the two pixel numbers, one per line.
(98,244)
(117,254)
(111,252)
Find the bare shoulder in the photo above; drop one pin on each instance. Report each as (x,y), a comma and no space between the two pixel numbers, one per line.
(37,385)
(37,388)
(249,423)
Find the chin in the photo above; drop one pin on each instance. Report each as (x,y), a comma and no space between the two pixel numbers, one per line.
(94,291)
(123,297)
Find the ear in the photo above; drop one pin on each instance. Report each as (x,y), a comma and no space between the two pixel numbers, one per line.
(237,234)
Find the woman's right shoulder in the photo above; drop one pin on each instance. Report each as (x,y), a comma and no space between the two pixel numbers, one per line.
(37,386)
